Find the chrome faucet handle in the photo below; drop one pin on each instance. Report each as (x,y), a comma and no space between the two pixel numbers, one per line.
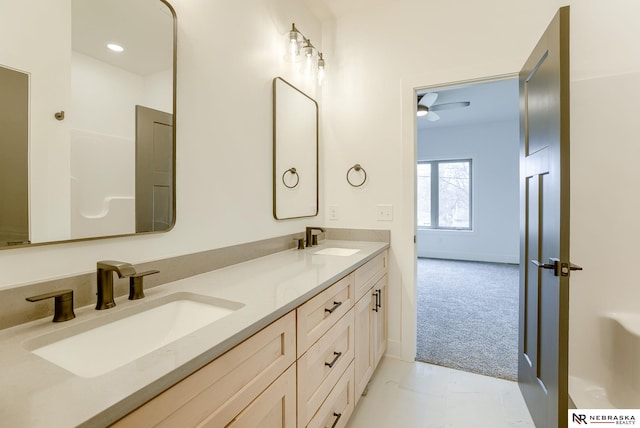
(62,306)
(136,286)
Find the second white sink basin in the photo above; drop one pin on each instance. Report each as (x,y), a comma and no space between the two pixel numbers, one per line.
(99,350)
(344,252)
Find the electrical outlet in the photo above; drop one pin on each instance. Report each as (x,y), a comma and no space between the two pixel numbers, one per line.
(384,212)
(333,212)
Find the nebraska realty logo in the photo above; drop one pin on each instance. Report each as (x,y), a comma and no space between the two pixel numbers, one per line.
(580,417)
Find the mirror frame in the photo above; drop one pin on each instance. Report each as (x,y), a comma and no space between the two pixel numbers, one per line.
(174,207)
(276,176)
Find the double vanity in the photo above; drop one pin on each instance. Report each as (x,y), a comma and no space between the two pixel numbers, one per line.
(289,339)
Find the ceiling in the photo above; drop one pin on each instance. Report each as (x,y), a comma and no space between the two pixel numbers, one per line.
(143,27)
(331,9)
(490,102)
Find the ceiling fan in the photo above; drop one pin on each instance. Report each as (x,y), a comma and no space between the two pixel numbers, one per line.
(426,106)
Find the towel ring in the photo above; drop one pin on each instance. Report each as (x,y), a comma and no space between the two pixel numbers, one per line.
(357,168)
(294,172)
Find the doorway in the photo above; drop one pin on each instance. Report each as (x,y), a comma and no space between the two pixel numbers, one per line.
(467,230)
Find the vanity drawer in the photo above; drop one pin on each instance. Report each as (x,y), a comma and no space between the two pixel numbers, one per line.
(369,273)
(317,315)
(338,406)
(222,389)
(322,365)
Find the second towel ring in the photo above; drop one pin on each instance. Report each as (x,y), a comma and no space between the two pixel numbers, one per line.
(294,172)
(356,168)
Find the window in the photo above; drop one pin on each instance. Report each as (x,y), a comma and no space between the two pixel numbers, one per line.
(444,194)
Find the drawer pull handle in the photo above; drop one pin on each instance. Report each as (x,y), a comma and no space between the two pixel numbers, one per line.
(331,364)
(336,305)
(337,416)
(375,306)
(379,298)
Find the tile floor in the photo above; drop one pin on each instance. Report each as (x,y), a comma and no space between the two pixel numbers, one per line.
(419,395)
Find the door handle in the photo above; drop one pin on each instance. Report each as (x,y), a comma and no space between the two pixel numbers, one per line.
(559,268)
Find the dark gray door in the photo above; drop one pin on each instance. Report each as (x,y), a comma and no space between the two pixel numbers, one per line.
(14,158)
(154,170)
(544,230)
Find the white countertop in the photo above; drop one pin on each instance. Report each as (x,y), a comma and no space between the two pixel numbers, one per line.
(37,393)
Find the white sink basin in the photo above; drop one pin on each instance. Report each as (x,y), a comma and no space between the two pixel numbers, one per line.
(96,350)
(344,252)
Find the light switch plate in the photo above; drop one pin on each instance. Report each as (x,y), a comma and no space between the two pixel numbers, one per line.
(333,212)
(384,212)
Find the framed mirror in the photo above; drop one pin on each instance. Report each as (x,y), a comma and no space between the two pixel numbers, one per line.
(91,152)
(295,152)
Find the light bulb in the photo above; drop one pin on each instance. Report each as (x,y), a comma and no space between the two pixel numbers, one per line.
(308,54)
(321,66)
(308,50)
(294,50)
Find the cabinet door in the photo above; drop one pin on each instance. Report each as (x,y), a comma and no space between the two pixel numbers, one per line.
(274,408)
(379,321)
(364,358)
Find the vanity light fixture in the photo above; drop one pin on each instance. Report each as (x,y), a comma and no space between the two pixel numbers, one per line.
(115,47)
(297,44)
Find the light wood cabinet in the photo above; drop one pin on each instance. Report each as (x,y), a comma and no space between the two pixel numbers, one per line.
(338,406)
(274,408)
(322,365)
(219,391)
(370,273)
(364,358)
(318,314)
(379,322)
(307,369)
(370,314)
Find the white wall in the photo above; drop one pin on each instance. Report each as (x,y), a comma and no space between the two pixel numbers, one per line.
(605,231)
(494,152)
(377,58)
(228,54)
(44,40)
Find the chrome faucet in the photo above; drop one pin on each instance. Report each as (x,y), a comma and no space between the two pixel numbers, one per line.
(310,237)
(105,281)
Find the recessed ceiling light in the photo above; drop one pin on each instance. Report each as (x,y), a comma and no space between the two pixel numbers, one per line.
(114,47)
